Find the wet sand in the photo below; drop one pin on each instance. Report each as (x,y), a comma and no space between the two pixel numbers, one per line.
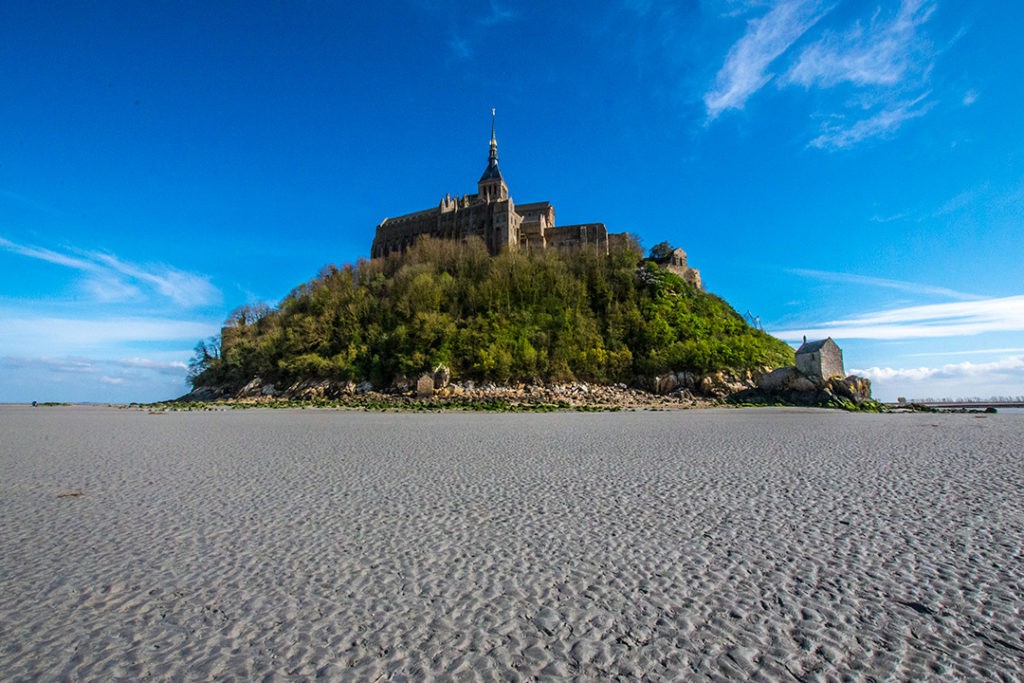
(773,544)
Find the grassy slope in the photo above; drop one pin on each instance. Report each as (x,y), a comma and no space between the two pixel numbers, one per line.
(517,316)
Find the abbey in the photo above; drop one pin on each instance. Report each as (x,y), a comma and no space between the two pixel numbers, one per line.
(491,215)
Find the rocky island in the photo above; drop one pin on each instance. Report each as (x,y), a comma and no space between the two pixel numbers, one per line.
(479,301)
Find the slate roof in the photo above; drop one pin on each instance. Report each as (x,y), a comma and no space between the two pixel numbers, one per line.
(491,172)
(812,346)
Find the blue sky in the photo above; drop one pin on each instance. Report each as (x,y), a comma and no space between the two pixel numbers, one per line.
(839,168)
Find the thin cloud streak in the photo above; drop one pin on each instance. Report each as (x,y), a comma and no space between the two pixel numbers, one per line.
(969,352)
(919,322)
(498,15)
(81,365)
(901,285)
(48,255)
(881,124)
(56,336)
(112,279)
(745,69)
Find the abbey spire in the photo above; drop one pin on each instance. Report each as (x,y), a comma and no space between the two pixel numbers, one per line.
(491,185)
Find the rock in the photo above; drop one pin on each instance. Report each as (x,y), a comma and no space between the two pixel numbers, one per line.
(802,384)
(268,390)
(687,380)
(364,387)
(442,376)
(252,389)
(401,383)
(664,384)
(425,386)
(778,380)
(206,394)
(309,390)
(859,387)
(721,384)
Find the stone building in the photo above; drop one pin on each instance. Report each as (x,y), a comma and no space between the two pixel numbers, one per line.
(820,359)
(675,262)
(491,215)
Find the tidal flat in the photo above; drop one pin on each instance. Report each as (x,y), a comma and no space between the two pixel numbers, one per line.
(765,544)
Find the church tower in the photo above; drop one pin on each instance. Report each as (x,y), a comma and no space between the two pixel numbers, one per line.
(491,186)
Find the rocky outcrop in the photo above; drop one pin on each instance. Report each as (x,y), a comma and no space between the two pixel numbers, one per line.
(679,389)
(790,386)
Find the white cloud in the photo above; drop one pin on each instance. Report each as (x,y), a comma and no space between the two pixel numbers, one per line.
(886,60)
(110,289)
(745,69)
(185,289)
(970,97)
(48,255)
(881,124)
(110,279)
(918,322)
(112,380)
(901,285)
(885,53)
(1004,377)
(1011,366)
(172,368)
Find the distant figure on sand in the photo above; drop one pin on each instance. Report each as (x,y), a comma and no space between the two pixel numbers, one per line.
(34,404)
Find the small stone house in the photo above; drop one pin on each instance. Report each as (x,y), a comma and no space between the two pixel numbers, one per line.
(820,359)
(676,263)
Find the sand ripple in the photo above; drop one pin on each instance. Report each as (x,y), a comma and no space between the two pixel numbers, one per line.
(719,544)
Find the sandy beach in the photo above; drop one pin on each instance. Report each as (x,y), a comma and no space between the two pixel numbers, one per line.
(764,544)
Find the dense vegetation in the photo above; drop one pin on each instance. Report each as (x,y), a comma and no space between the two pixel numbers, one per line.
(517,316)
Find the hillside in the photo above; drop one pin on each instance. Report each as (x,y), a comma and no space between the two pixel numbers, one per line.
(518,316)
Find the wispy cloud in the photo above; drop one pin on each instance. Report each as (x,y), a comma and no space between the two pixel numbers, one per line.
(955,319)
(745,70)
(112,279)
(79,378)
(901,285)
(25,334)
(1009,367)
(498,15)
(463,41)
(885,61)
(79,364)
(47,255)
(884,53)
(170,367)
(840,134)
(460,47)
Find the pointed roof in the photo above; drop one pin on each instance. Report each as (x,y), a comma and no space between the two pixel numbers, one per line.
(812,346)
(492,172)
